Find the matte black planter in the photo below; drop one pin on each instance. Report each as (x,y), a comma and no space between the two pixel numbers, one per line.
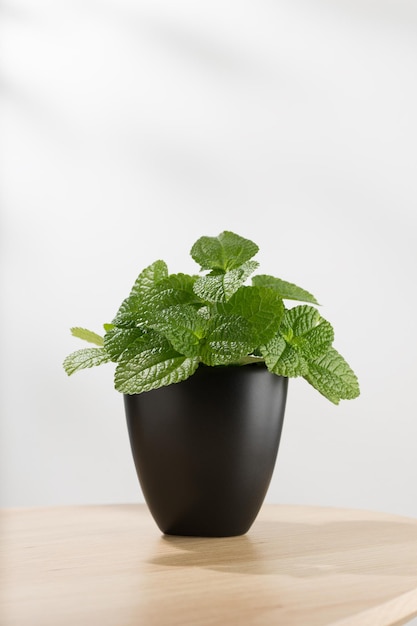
(205,449)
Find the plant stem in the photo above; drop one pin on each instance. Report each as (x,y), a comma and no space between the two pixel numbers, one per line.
(247,360)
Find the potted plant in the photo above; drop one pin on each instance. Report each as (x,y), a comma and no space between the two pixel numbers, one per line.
(203,362)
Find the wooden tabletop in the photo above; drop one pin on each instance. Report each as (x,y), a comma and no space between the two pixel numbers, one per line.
(297,566)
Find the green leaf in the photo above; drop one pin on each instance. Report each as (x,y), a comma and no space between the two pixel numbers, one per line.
(303,335)
(82,359)
(127,315)
(87,335)
(239,326)
(175,289)
(183,326)
(287,291)
(283,359)
(261,307)
(229,338)
(331,375)
(225,252)
(316,341)
(204,312)
(149,277)
(118,340)
(305,329)
(154,367)
(220,286)
(299,320)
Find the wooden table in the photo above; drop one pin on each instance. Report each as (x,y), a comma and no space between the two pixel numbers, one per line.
(110,566)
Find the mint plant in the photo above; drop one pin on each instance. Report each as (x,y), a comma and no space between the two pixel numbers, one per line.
(171,324)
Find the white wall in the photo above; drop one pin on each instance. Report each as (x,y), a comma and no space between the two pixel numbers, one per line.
(129,129)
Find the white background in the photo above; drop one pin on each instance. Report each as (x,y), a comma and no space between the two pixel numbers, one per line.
(129,129)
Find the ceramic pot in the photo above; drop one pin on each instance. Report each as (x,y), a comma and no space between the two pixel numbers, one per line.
(205,448)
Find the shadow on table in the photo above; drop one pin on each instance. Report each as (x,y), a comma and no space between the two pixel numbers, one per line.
(302,550)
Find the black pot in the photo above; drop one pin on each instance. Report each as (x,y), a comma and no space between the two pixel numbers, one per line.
(205,448)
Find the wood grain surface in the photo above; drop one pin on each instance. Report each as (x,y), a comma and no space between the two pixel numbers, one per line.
(297,566)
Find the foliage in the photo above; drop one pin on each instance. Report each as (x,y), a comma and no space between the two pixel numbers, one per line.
(171,323)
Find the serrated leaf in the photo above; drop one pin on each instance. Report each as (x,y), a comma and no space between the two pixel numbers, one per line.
(261,307)
(229,338)
(127,314)
(316,341)
(153,368)
(282,359)
(306,331)
(175,289)
(299,320)
(183,327)
(204,312)
(87,335)
(287,291)
(82,359)
(219,287)
(225,252)
(149,277)
(118,340)
(332,376)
